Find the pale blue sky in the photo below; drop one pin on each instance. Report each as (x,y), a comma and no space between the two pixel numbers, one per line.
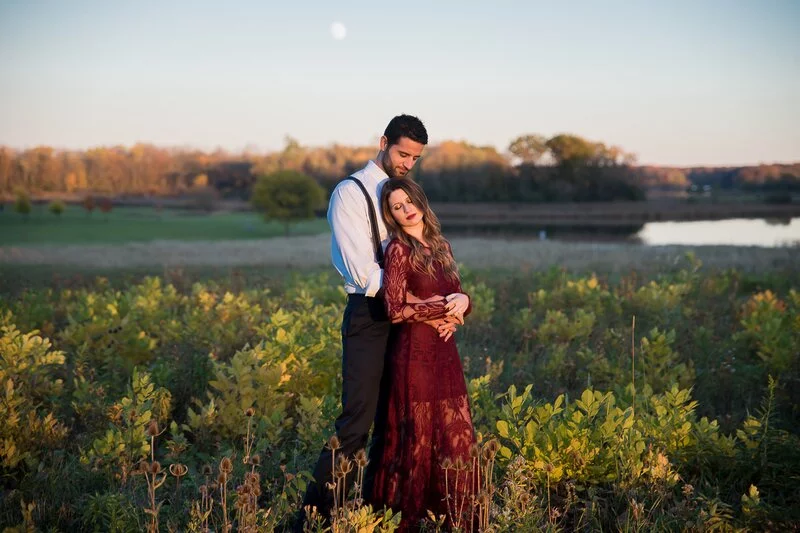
(677,82)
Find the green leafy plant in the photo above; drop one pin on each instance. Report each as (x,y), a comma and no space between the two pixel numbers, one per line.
(56,207)
(29,370)
(22,204)
(287,196)
(126,441)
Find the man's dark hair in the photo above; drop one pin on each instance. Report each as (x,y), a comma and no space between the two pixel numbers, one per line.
(406,126)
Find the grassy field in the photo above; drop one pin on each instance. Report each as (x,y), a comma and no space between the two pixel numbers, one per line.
(139,224)
(598,221)
(591,438)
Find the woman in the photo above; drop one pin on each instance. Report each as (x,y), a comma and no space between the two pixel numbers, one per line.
(429,422)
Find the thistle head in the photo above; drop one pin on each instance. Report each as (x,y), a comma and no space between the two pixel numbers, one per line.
(252,479)
(152,428)
(483,499)
(343,466)
(475,451)
(492,447)
(361,458)
(178,470)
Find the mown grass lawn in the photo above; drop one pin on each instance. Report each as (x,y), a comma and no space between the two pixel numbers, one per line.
(137,224)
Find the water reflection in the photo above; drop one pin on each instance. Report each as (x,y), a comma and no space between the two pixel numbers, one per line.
(771,232)
(735,232)
(561,232)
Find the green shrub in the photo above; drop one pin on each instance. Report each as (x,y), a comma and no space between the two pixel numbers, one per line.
(600,427)
(287,196)
(30,390)
(56,207)
(22,205)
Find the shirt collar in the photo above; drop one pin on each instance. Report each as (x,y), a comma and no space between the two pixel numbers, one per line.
(375,172)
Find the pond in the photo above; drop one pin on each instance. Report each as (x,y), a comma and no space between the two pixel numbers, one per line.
(734,232)
(727,232)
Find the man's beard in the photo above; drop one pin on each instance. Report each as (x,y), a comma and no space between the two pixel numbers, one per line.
(390,170)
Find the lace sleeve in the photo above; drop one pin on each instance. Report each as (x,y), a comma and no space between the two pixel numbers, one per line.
(395,283)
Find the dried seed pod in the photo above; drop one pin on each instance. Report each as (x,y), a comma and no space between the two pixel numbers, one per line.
(178,470)
(152,428)
(361,458)
(493,446)
(474,451)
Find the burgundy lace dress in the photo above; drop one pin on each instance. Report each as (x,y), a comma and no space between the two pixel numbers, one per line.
(429,416)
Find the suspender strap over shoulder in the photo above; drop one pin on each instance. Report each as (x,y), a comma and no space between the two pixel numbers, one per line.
(373,222)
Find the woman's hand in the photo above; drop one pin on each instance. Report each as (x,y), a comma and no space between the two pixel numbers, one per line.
(446,329)
(457,304)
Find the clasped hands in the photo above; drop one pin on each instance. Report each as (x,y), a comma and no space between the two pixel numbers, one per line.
(456,306)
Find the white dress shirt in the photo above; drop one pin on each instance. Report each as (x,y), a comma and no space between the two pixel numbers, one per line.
(352,250)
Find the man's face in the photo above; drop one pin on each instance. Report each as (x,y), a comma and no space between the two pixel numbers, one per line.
(398,159)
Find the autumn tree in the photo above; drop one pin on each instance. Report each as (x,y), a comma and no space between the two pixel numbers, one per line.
(7,158)
(74,173)
(528,148)
(570,148)
(200,181)
(460,171)
(287,196)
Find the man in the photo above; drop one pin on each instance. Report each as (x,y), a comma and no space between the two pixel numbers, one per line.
(365,326)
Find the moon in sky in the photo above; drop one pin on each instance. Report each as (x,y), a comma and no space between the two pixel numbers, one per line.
(338,31)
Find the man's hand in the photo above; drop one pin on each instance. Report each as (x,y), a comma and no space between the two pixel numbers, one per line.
(457,304)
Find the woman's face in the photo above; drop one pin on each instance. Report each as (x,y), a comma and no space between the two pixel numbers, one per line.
(403,210)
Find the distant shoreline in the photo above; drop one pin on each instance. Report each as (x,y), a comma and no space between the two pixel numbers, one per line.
(461,214)
(604,214)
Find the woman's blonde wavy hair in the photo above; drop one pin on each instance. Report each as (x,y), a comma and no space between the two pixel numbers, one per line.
(422,260)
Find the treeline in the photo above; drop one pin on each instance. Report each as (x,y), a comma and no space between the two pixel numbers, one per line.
(762,177)
(535,169)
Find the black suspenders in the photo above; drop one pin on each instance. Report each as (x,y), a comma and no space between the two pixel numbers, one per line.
(373,222)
